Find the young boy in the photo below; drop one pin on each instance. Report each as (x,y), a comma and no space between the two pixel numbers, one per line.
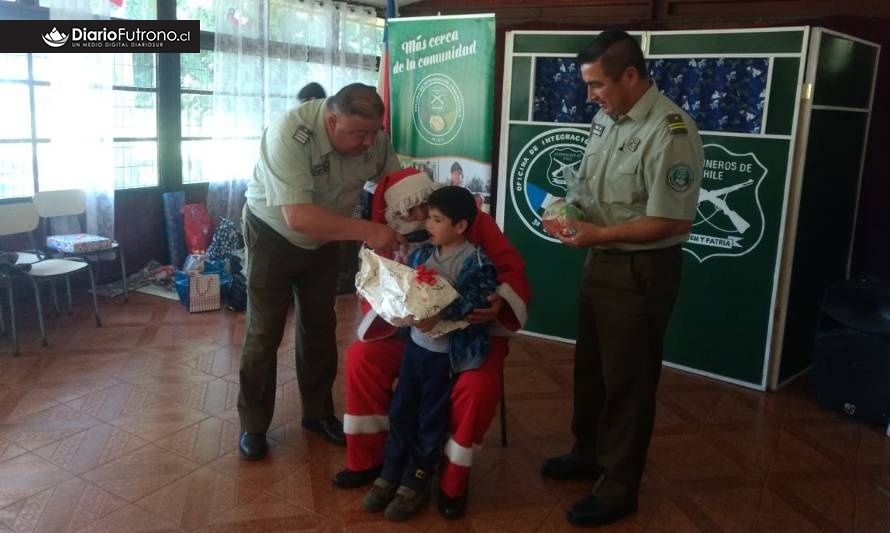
(419,411)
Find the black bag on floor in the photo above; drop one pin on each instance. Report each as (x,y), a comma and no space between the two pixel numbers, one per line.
(238,293)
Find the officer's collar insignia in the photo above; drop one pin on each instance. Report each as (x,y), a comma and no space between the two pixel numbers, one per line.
(675,124)
(598,129)
(302,135)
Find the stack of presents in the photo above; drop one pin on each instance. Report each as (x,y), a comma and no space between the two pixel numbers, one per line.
(209,257)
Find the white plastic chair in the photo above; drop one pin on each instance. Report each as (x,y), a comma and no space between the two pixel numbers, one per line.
(72,202)
(20,218)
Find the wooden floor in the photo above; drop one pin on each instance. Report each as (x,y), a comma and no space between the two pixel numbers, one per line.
(132,427)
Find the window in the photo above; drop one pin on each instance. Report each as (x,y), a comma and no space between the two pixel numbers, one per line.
(17,142)
(120,9)
(135,120)
(196,82)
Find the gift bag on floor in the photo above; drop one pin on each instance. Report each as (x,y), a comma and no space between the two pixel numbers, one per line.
(203,292)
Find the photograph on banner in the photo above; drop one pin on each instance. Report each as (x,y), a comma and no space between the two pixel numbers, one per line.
(475,176)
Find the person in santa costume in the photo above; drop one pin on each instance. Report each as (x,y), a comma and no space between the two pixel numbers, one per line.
(372,362)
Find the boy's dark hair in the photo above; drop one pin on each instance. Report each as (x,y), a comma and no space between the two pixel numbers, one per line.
(311,91)
(357,99)
(455,203)
(455,167)
(615,50)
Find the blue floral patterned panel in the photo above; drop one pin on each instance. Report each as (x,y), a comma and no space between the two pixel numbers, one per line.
(560,95)
(719,94)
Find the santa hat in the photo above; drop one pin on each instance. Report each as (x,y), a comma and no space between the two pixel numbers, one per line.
(397,193)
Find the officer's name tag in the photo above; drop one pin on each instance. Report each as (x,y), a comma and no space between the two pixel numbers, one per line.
(320,168)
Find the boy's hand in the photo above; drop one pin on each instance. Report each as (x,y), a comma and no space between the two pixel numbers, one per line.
(427,324)
(482,315)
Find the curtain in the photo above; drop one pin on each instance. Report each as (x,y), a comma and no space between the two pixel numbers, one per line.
(80,120)
(265,51)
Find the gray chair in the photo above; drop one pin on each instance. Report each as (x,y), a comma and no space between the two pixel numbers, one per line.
(22,218)
(72,202)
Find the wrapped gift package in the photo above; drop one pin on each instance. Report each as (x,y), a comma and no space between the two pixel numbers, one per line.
(400,294)
(78,243)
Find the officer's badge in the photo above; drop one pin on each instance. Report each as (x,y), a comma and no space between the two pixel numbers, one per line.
(676,125)
(597,129)
(302,135)
(632,145)
(680,177)
(320,168)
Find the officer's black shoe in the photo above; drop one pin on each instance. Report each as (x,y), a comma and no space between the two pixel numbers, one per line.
(252,446)
(588,512)
(569,467)
(452,508)
(329,428)
(351,479)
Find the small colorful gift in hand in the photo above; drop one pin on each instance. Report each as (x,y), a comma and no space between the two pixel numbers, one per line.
(556,216)
(402,295)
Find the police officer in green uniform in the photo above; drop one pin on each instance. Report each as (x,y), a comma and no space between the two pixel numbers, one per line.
(638,186)
(314,161)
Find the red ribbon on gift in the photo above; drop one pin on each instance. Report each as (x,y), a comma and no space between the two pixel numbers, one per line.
(426,275)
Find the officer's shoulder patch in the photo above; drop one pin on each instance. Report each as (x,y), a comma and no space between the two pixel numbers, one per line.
(680,177)
(597,129)
(302,134)
(675,124)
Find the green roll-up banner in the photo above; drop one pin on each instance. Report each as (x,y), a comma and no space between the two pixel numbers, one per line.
(441,94)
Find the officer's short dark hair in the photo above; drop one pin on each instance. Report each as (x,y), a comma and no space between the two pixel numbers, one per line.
(455,167)
(357,99)
(616,51)
(455,203)
(311,91)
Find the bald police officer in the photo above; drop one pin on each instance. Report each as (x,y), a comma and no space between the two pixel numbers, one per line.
(313,163)
(638,187)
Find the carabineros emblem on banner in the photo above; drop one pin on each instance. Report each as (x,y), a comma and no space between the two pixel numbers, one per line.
(438,109)
(730,220)
(539,172)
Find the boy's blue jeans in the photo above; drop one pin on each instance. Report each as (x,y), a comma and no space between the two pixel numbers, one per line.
(418,418)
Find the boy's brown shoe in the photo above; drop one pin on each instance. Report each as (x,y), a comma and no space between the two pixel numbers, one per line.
(381,494)
(406,503)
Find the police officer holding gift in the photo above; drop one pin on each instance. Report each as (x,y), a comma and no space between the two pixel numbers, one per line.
(638,188)
(313,163)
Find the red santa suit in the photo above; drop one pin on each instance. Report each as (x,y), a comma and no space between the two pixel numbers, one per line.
(372,362)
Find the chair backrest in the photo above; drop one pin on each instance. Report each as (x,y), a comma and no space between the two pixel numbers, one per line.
(60,203)
(20,217)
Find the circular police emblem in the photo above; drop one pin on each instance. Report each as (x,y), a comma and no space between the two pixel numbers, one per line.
(680,177)
(540,172)
(438,109)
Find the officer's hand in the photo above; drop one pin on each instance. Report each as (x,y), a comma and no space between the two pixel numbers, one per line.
(427,323)
(582,234)
(482,315)
(384,239)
